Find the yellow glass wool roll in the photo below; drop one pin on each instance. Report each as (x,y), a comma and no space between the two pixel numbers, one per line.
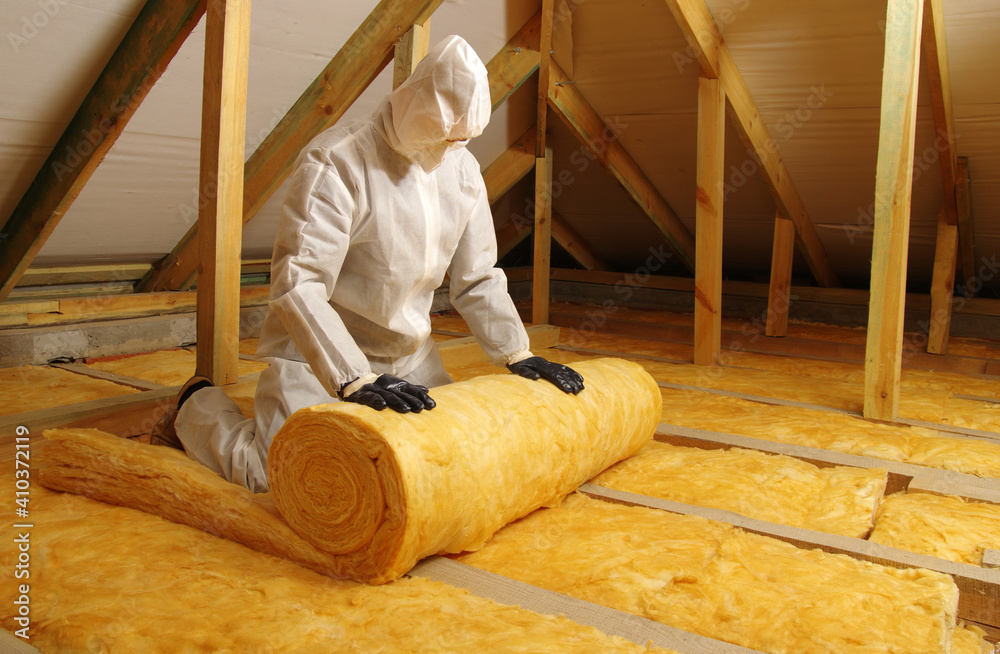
(381,490)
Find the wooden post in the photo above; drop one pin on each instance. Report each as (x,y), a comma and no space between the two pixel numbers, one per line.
(779,293)
(543,238)
(893,182)
(544,73)
(220,217)
(966,236)
(708,222)
(942,284)
(409,51)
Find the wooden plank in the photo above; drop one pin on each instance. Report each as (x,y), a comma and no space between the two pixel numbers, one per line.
(942,284)
(511,166)
(143,54)
(925,483)
(979,588)
(532,598)
(29,306)
(603,143)
(893,186)
(35,276)
(935,56)
(107,376)
(12,644)
(966,235)
(570,241)
(136,305)
(348,74)
(991,559)
(706,42)
(409,51)
(220,215)
(779,293)
(544,72)
(334,90)
(901,475)
(542,256)
(461,351)
(711,141)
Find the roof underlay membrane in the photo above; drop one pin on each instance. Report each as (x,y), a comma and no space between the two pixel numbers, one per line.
(814,70)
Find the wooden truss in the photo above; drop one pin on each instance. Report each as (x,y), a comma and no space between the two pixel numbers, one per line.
(396,30)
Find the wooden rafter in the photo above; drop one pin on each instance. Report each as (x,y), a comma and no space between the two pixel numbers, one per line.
(347,75)
(223,133)
(705,40)
(570,241)
(935,57)
(511,166)
(143,54)
(604,145)
(409,51)
(893,186)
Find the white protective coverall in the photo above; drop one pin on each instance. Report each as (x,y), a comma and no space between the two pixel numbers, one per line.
(376,213)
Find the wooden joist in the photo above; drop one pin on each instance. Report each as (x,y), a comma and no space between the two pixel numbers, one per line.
(706,42)
(603,142)
(86,274)
(348,74)
(711,143)
(893,186)
(141,57)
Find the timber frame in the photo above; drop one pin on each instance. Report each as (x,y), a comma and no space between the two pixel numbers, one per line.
(396,30)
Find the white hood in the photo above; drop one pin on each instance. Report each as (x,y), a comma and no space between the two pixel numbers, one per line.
(443,104)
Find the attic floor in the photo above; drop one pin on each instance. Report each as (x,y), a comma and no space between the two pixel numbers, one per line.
(949,421)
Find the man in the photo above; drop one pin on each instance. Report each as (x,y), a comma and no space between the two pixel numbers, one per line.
(376,214)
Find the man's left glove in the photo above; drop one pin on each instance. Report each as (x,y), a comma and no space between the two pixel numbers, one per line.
(397,394)
(562,376)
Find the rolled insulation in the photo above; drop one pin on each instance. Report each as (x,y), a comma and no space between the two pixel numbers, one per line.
(379,490)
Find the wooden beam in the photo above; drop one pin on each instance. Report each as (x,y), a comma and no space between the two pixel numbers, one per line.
(708,216)
(348,74)
(143,54)
(511,166)
(603,143)
(35,276)
(893,186)
(510,235)
(570,241)
(324,102)
(220,215)
(409,51)
(935,55)
(966,236)
(544,72)
(942,284)
(779,292)
(705,40)
(543,239)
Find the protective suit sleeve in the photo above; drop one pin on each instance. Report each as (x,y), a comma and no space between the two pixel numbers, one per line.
(311,244)
(479,290)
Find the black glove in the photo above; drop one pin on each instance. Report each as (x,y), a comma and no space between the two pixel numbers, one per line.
(393,392)
(562,376)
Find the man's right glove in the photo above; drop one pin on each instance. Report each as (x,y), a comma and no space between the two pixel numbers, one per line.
(393,392)
(564,377)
